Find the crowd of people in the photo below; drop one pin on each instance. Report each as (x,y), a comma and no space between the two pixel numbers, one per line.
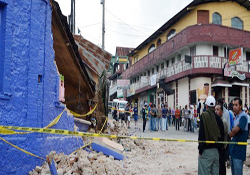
(218,122)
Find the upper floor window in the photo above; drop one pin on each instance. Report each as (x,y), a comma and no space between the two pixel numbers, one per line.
(158,42)
(171,34)
(153,71)
(237,23)
(215,50)
(179,57)
(193,51)
(148,72)
(151,48)
(157,68)
(162,66)
(173,60)
(217,18)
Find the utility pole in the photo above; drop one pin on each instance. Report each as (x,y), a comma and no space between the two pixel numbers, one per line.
(103,23)
(72,17)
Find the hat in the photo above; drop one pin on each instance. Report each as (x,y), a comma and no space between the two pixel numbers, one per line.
(146,104)
(210,101)
(150,104)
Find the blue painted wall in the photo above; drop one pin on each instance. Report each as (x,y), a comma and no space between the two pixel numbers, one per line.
(26,54)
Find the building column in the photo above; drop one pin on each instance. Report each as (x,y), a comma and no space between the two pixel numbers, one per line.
(248,97)
(226,95)
(243,95)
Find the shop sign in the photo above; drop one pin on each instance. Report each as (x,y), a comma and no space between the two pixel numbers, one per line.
(238,75)
(119,93)
(123,83)
(131,90)
(236,57)
(230,71)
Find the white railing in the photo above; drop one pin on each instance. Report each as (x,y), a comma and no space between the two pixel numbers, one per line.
(197,62)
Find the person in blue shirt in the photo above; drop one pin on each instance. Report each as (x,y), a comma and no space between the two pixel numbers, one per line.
(164,118)
(238,134)
(135,114)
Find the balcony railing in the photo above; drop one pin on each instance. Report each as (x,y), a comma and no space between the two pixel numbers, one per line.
(202,62)
(192,34)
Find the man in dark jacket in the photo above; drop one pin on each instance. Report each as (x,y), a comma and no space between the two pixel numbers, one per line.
(211,129)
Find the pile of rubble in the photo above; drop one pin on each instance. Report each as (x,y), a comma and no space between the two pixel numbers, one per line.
(116,128)
(90,162)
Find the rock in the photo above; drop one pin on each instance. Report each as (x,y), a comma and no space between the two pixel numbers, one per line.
(38,169)
(111,158)
(92,130)
(101,170)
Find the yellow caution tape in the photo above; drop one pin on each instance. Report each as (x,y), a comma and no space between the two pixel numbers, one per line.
(83,115)
(55,121)
(29,153)
(119,110)
(84,146)
(7,131)
(73,133)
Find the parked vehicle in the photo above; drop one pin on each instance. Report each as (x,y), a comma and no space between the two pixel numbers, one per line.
(120,104)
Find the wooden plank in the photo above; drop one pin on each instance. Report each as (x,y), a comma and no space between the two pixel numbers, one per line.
(112,144)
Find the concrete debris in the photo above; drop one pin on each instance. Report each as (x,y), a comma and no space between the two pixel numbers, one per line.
(117,128)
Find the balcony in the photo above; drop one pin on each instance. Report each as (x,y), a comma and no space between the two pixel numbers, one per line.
(192,34)
(202,64)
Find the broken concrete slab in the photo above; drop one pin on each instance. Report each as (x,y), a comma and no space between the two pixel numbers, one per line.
(106,151)
(112,144)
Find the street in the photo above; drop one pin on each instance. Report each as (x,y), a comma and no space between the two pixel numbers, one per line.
(171,133)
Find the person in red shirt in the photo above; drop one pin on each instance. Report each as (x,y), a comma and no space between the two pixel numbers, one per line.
(195,118)
(177,118)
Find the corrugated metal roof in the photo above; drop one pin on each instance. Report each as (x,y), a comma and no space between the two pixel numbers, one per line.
(123,51)
(92,55)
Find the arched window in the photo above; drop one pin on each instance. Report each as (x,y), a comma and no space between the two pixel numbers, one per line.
(237,23)
(171,34)
(217,18)
(158,43)
(151,48)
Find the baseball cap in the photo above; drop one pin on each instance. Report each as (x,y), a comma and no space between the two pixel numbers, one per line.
(210,101)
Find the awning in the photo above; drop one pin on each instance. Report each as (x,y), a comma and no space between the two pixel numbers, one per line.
(221,83)
(240,84)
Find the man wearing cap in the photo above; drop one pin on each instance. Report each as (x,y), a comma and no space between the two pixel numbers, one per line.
(211,129)
(238,134)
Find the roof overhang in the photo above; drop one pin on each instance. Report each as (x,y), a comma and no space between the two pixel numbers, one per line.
(240,84)
(220,83)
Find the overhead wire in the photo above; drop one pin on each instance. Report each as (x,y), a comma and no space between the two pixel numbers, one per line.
(125,22)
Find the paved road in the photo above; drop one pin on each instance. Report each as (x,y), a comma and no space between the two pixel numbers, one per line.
(171,133)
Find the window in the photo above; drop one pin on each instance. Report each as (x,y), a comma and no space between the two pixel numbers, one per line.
(178,57)
(193,51)
(173,60)
(237,23)
(247,56)
(167,63)
(144,73)
(158,42)
(217,18)
(162,66)
(193,97)
(151,48)
(226,52)
(148,72)
(153,71)
(157,68)
(215,50)
(171,34)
